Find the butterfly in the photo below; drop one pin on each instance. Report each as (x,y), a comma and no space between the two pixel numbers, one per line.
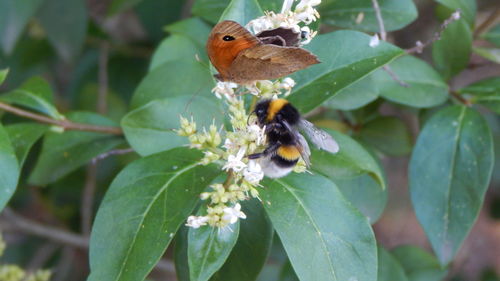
(241,57)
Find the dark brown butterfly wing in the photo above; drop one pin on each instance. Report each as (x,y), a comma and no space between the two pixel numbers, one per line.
(280,36)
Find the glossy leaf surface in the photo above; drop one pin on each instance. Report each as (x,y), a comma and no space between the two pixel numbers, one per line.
(323,235)
(418,264)
(9,172)
(353,59)
(142,210)
(252,248)
(208,249)
(449,173)
(425,88)
(359,14)
(64,152)
(150,128)
(356,173)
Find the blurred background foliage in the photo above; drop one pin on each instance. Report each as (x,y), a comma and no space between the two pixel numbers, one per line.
(77,46)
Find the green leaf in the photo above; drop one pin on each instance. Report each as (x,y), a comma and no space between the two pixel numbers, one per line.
(493,35)
(271,5)
(142,210)
(23,136)
(117,6)
(418,264)
(242,11)
(485,92)
(154,14)
(387,134)
(252,248)
(356,173)
(87,97)
(35,94)
(352,60)
(323,235)
(173,48)
(287,273)
(356,95)
(3,75)
(451,53)
(14,15)
(188,39)
(193,28)
(180,254)
(209,10)
(492,54)
(359,14)
(425,88)
(449,172)
(64,152)
(351,160)
(9,172)
(149,129)
(467,8)
(65,23)
(208,249)
(185,77)
(389,268)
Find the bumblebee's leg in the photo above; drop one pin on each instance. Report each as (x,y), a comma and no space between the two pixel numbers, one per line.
(271,149)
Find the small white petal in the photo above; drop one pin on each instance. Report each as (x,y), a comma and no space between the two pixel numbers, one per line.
(374,41)
(196,222)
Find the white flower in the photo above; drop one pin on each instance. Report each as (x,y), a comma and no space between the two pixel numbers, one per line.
(374,41)
(304,12)
(256,134)
(287,84)
(225,89)
(253,172)
(196,222)
(233,214)
(234,162)
(229,144)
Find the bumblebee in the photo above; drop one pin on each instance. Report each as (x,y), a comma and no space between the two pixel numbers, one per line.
(285,144)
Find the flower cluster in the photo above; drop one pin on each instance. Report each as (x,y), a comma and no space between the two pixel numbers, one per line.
(246,137)
(10,272)
(303,14)
(243,175)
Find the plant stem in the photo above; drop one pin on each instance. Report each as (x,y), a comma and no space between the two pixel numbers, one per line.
(229,179)
(419,47)
(378,14)
(485,25)
(383,36)
(54,234)
(461,99)
(112,152)
(61,236)
(65,124)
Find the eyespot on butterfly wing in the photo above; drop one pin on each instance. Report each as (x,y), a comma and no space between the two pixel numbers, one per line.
(243,58)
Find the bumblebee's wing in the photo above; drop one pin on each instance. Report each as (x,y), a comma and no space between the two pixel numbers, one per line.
(319,137)
(302,144)
(305,152)
(265,62)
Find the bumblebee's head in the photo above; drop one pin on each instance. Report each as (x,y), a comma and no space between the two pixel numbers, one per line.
(261,111)
(269,111)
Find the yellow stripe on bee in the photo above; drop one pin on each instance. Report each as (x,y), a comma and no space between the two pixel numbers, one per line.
(289,152)
(274,107)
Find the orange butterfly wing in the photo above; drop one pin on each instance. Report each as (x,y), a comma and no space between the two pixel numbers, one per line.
(222,53)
